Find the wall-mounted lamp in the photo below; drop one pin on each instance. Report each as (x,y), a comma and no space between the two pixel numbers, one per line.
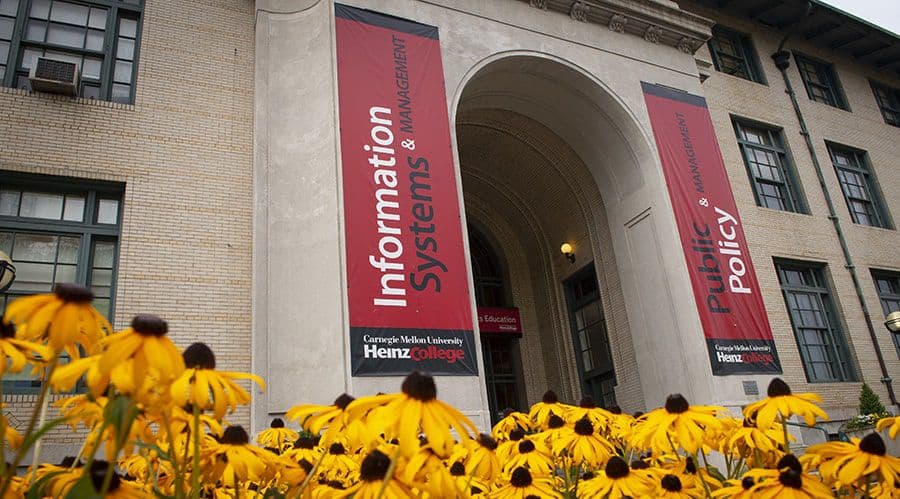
(7,272)
(567,250)
(892,322)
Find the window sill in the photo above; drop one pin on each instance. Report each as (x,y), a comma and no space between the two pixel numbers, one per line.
(789,212)
(66,98)
(739,78)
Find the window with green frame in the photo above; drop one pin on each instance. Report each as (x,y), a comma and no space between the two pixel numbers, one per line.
(58,230)
(733,53)
(859,186)
(771,173)
(101,36)
(887,284)
(888,100)
(817,328)
(821,81)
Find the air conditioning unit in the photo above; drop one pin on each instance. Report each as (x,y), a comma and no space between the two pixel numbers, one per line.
(54,76)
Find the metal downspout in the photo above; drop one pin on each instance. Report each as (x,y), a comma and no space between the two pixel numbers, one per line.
(782,62)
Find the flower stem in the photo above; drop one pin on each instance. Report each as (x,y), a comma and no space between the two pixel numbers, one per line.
(195,472)
(310,475)
(702,478)
(121,439)
(179,472)
(787,442)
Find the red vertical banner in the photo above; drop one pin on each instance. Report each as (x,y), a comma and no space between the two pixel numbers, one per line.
(735,324)
(406,275)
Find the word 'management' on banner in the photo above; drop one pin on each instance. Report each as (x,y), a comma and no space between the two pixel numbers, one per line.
(731,308)
(406,274)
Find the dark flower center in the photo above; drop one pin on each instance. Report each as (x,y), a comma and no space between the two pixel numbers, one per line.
(532,496)
(873,444)
(306,442)
(638,414)
(526,446)
(690,466)
(790,461)
(587,403)
(616,468)
(149,325)
(337,448)
(747,483)
(749,423)
(98,473)
(306,465)
(517,434)
(235,435)
(778,388)
(676,404)
(457,469)
(277,423)
(555,422)
(374,466)
(671,483)
(487,441)
(343,401)
(584,427)
(791,478)
(587,475)
(7,330)
(549,397)
(197,356)
(639,464)
(520,477)
(67,462)
(73,293)
(419,386)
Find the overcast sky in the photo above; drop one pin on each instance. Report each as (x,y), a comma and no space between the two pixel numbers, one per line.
(884,13)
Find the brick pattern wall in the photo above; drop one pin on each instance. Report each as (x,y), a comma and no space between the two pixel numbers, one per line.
(184,153)
(775,234)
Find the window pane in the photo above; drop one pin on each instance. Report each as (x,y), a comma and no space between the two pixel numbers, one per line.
(36,30)
(94,40)
(34,248)
(126,49)
(98,19)
(90,92)
(108,211)
(123,72)
(102,306)
(33,277)
(9,7)
(128,28)
(91,68)
(41,205)
(74,210)
(69,13)
(28,57)
(40,9)
(104,254)
(6,27)
(65,273)
(63,56)
(121,93)
(68,249)
(101,277)
(9,203)
(6,242)
(61,34)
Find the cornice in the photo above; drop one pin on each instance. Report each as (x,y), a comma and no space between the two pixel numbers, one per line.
(656,21)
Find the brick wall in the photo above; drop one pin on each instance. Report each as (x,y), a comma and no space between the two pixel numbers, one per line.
(184,153)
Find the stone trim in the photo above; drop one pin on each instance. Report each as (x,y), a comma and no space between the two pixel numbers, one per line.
(656,21)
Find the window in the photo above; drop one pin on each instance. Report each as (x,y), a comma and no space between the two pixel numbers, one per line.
(58,230)
(888,286)
(888,100)
(592,349)
(858,185)
(821,81)
(769,168)
(733,53)
(822,345)
(101,36)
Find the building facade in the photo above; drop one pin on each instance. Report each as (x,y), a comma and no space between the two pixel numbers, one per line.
(197,175)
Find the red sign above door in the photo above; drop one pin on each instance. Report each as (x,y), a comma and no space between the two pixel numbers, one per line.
(499,320)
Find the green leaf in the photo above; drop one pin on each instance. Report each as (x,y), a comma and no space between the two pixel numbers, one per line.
(34,436)
(273,493)
(83,489)
(37,490)
(119,414)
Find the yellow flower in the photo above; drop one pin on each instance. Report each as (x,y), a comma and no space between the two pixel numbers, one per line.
(744,440)
(372,473)
(233,459)
(426,472)
(511,421)
(580,446)
(736,489)
(678,424)
(848,463)
(788,481)
(314,418)
(521,485)
(601,418)
(482,460)
(781,403)
(615,481)
(549,405)
(338,466)
(413,410)
(56,480)
(14,353)
(277,437)
(530,454)
(82,408)
(892,423)
(305,452)
(64,319)
(146,344)
(202,386)
(670,486)
(13,438)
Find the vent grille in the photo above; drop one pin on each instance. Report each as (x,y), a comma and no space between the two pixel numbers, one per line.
(49,69)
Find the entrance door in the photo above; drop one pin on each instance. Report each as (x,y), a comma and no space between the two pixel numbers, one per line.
(502,369)
(591,341)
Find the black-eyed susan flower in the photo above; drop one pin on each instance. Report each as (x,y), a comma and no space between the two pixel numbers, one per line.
(522,484)
(200,385)
(314,418)
(338,466)
(117,487)
(787,481)
(469,486)
(144,343)
(277,438)
(745,439)
(234,460)
(416,409)
(781,404)
(371,485)
(532,454)
(555,428)
(615,481)
(892,425)
(587,408)
(426,472)
(51,480)
(581,446)
(850,463)
(64,319)
(15,354)
(507,447)
(670,486)
(677,423)
(736,489)
(512,420)
(305,452)
(482,460)
(549,405)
